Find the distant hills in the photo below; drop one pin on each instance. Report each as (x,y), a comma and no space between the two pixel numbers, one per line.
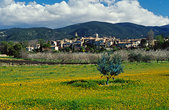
(119,30)
(22,34)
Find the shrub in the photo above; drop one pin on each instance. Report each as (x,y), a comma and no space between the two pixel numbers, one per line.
(139,58)
(135,57)
(83,83)
(146,58)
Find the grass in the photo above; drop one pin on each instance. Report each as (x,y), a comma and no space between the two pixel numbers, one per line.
(142,86)
(10,58)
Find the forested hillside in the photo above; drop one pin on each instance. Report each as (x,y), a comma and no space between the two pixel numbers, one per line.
(119,30)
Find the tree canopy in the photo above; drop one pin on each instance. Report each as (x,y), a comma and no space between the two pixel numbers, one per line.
(110,66)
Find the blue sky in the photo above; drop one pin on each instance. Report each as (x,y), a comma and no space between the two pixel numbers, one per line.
(61,13)
(159,7)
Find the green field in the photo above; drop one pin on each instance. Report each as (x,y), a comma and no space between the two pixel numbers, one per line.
(141,86)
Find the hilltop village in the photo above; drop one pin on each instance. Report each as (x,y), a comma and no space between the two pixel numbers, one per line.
(95,41)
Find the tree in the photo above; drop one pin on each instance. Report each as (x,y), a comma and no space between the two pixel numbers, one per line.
(160,38)
(17,47)
(109,66)
(24,44)
(41,42)
(161,43)
(150,37)
(44,45)
(143,43)
(4,48)
(11,48)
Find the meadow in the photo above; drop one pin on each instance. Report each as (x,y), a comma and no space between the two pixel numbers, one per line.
(141,86)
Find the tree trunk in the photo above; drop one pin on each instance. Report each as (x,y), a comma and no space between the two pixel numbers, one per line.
(107,82)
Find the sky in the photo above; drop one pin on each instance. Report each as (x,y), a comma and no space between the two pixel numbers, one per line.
(61,13)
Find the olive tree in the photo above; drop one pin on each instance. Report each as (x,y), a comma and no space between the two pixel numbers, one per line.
(109,66)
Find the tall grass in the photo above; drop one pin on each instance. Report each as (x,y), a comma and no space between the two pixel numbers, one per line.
(159,55)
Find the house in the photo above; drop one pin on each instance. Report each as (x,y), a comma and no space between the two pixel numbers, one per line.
(60,43)
(67,44)
(124,44)
(136,43)
(30,48)
(54,45)
(77,44)
(128,43)
(98,42)
(33,47)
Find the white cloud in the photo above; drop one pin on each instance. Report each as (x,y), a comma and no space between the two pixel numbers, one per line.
(6,2)
(13,14)
(108,2)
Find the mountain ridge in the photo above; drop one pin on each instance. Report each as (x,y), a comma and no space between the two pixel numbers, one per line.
(118,30)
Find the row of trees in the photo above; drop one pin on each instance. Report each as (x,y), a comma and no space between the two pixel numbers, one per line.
(15,48)
(161,42)
(11,48)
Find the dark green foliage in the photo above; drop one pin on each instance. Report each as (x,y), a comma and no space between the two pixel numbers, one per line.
(143,43)
(139,58)
(109,66)
(161,43)
(94,84)
(146,58)
(4,47)
(160,38)
(46,45)
(22,34)
(135,57)
(102,82)
(43,45)
(41,42)
(83,83)
(11,48)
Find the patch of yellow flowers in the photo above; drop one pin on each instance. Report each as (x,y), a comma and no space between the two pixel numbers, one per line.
(40,92)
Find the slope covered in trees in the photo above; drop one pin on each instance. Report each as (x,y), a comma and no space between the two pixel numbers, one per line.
(119,30)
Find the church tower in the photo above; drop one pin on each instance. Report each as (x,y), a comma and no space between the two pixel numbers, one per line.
(76,35)
(97,35)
